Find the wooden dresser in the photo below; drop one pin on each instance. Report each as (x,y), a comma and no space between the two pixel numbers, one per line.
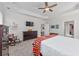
(29,35)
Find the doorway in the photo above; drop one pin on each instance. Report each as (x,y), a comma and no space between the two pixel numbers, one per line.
(69,28)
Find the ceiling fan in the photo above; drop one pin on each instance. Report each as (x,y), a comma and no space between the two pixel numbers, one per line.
(47,7)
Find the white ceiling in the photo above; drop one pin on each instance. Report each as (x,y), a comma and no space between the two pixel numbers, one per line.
(33,7)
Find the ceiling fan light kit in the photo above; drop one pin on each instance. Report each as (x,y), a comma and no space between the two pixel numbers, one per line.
(47,7)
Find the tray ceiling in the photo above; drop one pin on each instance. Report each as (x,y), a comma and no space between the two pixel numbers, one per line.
(33,7)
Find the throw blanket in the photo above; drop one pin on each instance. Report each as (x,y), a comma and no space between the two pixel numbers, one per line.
(37,43)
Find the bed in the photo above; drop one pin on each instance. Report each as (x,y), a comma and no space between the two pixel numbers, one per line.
(60,46)
(37,44)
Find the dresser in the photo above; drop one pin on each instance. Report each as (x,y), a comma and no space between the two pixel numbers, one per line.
(4,47)
(29,35)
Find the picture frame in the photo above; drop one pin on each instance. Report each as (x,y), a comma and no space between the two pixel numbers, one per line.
(52,26)
(57,26)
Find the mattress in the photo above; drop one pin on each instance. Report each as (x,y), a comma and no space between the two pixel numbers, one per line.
(60,46)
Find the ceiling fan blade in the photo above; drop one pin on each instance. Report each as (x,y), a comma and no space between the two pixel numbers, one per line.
(44,11)
(51,10)
(52,5)
(41,8)
(46,4)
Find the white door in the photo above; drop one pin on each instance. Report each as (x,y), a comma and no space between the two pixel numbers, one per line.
(46,30)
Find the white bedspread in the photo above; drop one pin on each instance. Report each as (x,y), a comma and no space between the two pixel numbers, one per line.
(60,45)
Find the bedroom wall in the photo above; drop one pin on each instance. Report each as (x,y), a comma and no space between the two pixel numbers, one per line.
(73,16)
(54,20)
(1,14)
(70,16)
(20,20)
(1,18)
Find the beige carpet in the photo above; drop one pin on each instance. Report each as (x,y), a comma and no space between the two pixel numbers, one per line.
(22,49)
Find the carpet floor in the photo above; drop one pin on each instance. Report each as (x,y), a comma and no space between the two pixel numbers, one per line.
(22,49)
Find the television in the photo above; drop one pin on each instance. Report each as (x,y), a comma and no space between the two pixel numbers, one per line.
(28,23)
